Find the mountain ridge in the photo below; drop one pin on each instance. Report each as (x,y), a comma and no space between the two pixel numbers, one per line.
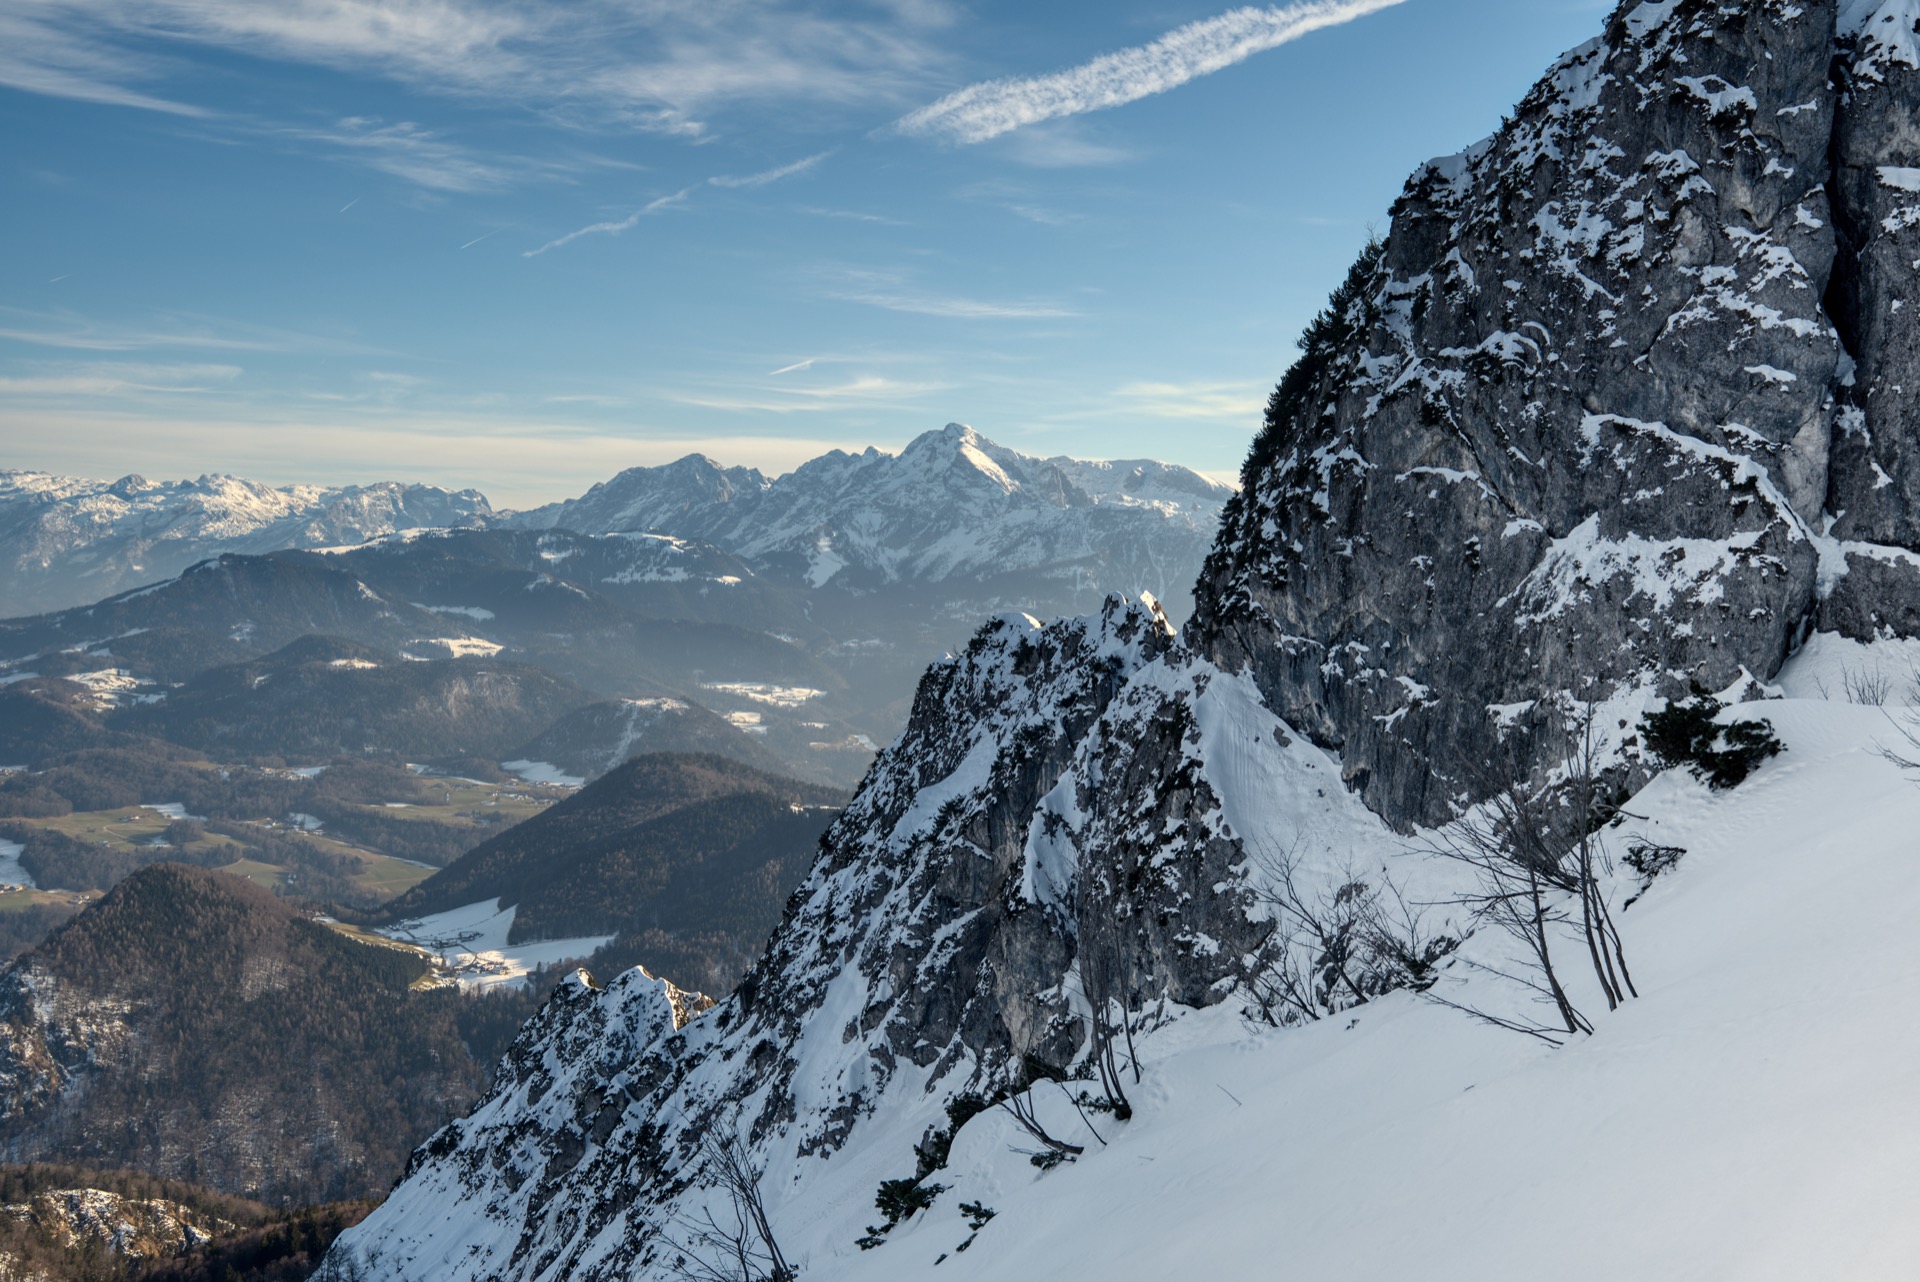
(1561,447)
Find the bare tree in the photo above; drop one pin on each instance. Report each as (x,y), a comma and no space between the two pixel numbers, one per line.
(1512,894)
(1588,807)
(1531,847)
(1019,1106)
(1316,959)
(1339,947)
(736,1243)
(1106,964)
(1870,687)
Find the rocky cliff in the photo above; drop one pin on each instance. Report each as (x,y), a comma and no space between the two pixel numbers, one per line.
(1605,414)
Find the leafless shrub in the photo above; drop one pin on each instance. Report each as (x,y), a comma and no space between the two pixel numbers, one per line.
(1338,948)
(1107,977)
(1531,847)
(735,1244)
(1868,687)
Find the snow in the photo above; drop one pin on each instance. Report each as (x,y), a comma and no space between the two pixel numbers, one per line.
(473,612)
(1829,666)
(109,687)
(777,696)
(472,941)
(1754,1115)
(304,822)
(171,809)
(358,665)
(542,772)
(458,647)
(823,563)
(11,873)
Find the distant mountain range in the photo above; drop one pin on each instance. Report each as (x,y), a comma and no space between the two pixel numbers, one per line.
(781,622)
(952,506)
(66,541)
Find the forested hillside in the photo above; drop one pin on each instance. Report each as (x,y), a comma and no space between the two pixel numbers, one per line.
(194,1026)
(687,858)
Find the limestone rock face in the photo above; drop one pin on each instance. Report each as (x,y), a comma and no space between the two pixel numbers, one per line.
(1571,432)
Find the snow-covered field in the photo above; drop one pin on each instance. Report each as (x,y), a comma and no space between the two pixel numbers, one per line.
(777,696)
(1754,1115)
(11,873)
(472,941)
(456,647)
(543,772)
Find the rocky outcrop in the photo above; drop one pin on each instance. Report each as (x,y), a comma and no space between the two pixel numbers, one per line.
(1568,434)
(126,1227)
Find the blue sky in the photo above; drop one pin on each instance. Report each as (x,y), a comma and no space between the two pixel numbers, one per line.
(519,246)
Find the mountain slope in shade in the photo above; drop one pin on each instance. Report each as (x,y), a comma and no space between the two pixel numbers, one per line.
(686,857)
(136,1037)
(65,541)
(220,611)
(321,697)
(598,738)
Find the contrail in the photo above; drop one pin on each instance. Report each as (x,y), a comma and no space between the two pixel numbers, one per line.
(995,107)
(350,204)
(476,240)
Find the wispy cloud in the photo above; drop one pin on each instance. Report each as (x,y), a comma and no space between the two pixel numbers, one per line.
(119,378)
(863,390)
(410,151)
(996,107)
(852,215)
(628,223)
(923,304)
(1239,403)
(614,228)
(65,331)
(653,65)
(771,175)
(39,55)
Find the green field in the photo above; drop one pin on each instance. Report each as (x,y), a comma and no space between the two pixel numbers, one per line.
(466,801)
(14,900)
(134,828)
(127,828)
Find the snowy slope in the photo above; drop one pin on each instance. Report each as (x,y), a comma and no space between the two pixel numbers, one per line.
(1750,1116)
(1755,1115)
